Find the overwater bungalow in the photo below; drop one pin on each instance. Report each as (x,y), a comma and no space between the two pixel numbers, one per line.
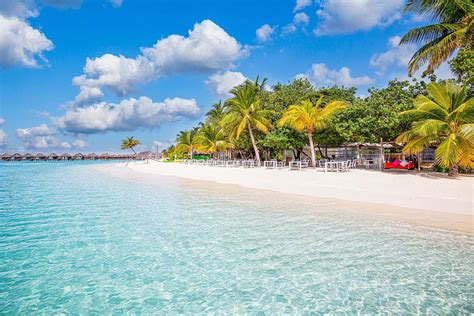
(16,156)
(6,156)
(52,156)
(78,156)
(40,156)
(92,156)
(28,156)
(65,156)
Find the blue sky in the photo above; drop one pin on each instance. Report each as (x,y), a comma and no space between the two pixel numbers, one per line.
(82,75)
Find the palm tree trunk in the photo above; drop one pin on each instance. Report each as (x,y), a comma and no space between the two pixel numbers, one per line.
(191,154)
(453,170)
(311,146)
(257,154)
(381,166)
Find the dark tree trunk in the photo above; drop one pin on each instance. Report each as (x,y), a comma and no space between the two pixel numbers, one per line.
(321,153)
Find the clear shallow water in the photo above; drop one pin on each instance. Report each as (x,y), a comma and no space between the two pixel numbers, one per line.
(76,240)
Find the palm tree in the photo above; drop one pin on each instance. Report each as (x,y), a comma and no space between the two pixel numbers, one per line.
(307,117)
(212,139)
(129,143)
(187,141)
(245,111)
(444,119)
(454,29)
(216,113)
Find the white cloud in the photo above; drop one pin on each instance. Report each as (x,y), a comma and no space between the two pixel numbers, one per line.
(321,75)
(265,32)
(18,8)
(301,18)
(301,4)
(3,135)
(288,29)
(3,138)
(79,143)
(127,115)
(43,137)
(116,3)
(339,16)
(221,83)
(207,48)
(395,55)
(63,4)
(20,44)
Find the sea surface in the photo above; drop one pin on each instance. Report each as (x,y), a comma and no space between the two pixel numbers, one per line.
(77,240)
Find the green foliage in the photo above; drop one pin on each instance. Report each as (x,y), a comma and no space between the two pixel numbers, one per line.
(445,119)
(453,29)
(374,117)
(129,143)
(463,66)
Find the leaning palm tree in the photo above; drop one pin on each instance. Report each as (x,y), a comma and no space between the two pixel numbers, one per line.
(444,119)
(187,141)
(212,139)
(129,143)
(307,117)
(453,29)
(245,111)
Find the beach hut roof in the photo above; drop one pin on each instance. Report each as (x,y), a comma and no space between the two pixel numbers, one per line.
(78,155)
(66,155)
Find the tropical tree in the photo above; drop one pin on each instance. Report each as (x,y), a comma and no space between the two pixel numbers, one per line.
(309,117)
(216,113)
(454,29)
(129,143)
(212,139)
(444,118)
(245,111)
(187,141)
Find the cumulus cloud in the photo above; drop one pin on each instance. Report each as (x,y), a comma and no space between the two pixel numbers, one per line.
(265,32)
(301,4)
(301,18)
(222,82)
(20,8)
(321,75)
(339,17)
(207,48)
(129,114)
(20,44)
(3,135)
(43,137)
(395,55)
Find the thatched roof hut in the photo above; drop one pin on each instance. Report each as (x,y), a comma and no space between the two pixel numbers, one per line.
(65,156)
(92,156)
(6,156)
(28,156)
(78,156)
(16,156)
(40,156)
(53,156)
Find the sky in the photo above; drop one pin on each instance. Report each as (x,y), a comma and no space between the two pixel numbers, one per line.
(80,76)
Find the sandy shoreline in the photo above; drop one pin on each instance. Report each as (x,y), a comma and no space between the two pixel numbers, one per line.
(420,199)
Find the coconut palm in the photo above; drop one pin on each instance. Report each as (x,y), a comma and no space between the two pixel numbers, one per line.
(216,113)
(212,139)
(454,29)
(444,119)
(245,111)
(187,141)
(309,117)
(129,143)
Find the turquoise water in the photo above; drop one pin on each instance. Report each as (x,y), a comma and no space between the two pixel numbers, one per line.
(76,240)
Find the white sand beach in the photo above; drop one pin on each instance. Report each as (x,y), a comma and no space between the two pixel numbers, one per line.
(430,199)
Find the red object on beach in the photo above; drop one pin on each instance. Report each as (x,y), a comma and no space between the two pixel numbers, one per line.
(396,165)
